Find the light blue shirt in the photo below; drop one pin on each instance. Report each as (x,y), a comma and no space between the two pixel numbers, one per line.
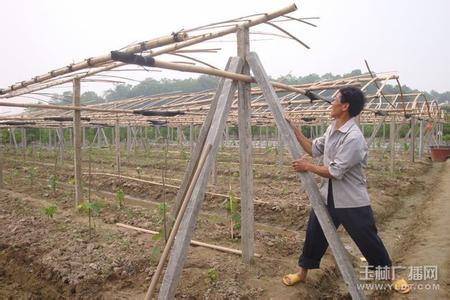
(344,151)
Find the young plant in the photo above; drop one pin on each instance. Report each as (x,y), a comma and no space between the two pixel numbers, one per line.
(139,171)
(52,182)
(120,198)
(184,155)
(213,275)
(31,174)
(49,211)
(91,209)
(162,232)
(162,210)
(232,207)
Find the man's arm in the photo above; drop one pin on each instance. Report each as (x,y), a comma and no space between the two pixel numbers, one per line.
(302,165)
(302,140)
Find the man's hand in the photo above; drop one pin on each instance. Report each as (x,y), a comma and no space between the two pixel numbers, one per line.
(290,123)
(301,165)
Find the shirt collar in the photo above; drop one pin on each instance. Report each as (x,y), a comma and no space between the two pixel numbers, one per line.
(346,127)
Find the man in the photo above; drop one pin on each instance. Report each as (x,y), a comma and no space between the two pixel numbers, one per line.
(344,151)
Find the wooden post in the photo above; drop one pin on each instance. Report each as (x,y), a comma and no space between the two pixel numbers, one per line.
(60,133)
(412,139)
(267,136)
(227,136)
(179,138)
(421,139)
(84,136)
(392,135)
(186,229)
(99,137)
(280,148)
(50,133)
(191,138)
(13,134)
(1,165)
(318,204)
(77,142)
(24,137)
(375,131)
(128,140)
(245,152)
(117,142)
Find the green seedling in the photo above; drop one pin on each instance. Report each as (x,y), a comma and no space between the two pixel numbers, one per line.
(162,233)
(213,275)
(120,198)
(232,207)
(91,209)
(49,211)
(184,155)
(52,182)
(31,174)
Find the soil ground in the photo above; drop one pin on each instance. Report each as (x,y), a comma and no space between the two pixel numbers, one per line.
(60,257)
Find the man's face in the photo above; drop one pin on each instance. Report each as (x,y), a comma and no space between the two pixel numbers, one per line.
(338,108)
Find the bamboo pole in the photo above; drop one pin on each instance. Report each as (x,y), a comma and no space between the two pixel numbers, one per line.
(97,61)
(157,183)
(173,232)
(193,242)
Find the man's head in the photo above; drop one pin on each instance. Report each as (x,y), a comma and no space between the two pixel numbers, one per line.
(349,100)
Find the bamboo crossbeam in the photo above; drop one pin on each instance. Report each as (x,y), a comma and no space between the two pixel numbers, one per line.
(193,242)
(96,61)
(156,183)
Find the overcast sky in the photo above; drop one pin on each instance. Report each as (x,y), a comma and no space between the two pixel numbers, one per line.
(409,37)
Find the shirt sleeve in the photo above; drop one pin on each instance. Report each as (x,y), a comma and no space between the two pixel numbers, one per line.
(318,146)
(350,153)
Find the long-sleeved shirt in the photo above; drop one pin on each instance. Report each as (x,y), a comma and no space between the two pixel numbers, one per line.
(344,152)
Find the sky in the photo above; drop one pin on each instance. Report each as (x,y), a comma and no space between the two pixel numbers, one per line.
(408,37)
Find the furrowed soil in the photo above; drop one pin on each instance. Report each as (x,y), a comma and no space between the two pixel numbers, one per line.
(59,257)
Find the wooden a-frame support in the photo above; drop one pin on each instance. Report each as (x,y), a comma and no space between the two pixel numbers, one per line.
(211,134)
(317,203)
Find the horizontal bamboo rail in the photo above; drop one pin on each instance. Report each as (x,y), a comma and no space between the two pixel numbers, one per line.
(193,242)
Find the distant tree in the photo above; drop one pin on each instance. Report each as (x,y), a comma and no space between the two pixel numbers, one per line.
(90,97)
(120,91)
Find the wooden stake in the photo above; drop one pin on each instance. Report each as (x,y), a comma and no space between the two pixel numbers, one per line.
(375,131)
(162,260)
(193,242)
(184,235)
(421,139)
(245,152)
(77,142)
(392,135)
(1,163)
(412,138)
(117,142)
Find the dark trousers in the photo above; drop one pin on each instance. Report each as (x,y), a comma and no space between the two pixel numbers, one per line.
(360,225)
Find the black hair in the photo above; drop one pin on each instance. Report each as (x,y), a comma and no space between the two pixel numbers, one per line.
(355,98)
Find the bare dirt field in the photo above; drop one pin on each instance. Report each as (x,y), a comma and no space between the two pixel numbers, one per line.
(59,257)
